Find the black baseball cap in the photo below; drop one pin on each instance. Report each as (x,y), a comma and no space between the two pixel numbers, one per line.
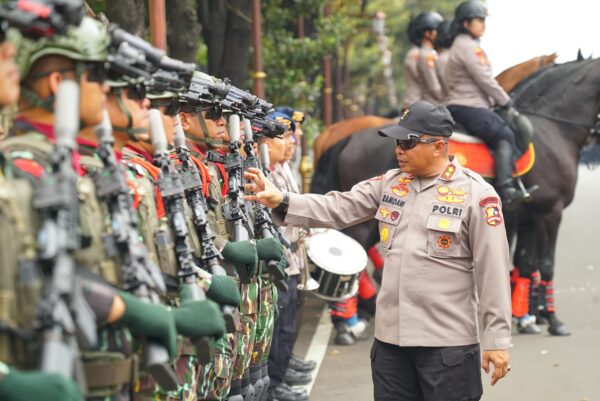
(421,118)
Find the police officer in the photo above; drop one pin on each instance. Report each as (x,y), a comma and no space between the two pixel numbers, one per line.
(412,81)
(426,25)
(443,231)
(473,91)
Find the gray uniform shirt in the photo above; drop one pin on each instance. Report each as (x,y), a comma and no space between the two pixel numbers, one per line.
(446,248)
(413,92)
(440,68)
(285,182)
(432,88)
(469,76)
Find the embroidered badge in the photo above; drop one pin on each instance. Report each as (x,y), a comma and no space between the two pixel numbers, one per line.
(449,172)
(450,195)
(481,56)
(444,242)
(444,223)
(489,200)
(431,59)
(395,215)
(298,116)
(401,189)
(493,217)
(448,210)
(384,234)
(384,212)
(393,200)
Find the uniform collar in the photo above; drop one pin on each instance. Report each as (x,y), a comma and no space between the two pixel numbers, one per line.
(452,170)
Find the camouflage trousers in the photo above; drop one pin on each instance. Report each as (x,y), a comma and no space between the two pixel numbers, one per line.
(148,390)
(247,332)
(214,379)
(265,322)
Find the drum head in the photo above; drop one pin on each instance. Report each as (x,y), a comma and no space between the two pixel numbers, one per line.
(336,252)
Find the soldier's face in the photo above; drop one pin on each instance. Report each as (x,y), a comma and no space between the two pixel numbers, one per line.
(276,150)
(217,129)
(92,101)
(9,75)
(138,109)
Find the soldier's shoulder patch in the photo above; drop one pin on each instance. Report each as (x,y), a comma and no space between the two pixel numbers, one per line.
(431,59)
(493,215)
(489,200)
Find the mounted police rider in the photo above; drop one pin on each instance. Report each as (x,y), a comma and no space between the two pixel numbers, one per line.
(473,92)
(426,25)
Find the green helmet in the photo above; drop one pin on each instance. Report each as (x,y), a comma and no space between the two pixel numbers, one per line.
(87,42)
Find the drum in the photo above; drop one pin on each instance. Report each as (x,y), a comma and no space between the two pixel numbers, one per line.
(336,261)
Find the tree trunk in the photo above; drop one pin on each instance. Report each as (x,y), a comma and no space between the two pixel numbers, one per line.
(183,29)
(128,14)
(213,18)
(238,38)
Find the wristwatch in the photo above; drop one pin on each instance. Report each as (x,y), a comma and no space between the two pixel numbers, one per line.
(285,203)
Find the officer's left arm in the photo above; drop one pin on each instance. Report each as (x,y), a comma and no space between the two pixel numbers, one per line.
(489,245)
(426,66)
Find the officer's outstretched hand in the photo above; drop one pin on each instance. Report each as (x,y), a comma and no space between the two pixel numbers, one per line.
(500,359)
(265,191)
(17,385)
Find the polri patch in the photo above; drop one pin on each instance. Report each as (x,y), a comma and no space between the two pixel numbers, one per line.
(493,216)
(489,200)
(456,211)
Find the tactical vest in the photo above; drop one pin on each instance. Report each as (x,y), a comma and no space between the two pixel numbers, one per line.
(109,368)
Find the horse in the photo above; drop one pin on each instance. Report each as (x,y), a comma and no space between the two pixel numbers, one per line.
(563,104)
(342,129)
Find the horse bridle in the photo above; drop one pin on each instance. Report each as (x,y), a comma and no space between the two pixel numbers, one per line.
(594,127)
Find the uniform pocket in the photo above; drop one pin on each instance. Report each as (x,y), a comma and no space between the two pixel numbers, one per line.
(462,374)
(443,236)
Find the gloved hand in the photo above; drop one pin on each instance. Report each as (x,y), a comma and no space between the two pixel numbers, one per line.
(269,249)
(155,322)
(224,291)
(283,264)
(242,253)
(35,385)
(195,319)
(509,105)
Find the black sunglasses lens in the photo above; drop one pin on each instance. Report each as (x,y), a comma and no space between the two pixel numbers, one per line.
(136,92)
(214,113)
(406,144)
(96,72)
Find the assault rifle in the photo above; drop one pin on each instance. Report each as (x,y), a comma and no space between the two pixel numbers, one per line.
(42,18)
(64,319)
(234,209)
(267,127)
(204,91)
(192,185)
(139,274)
(263,224)
(173,197)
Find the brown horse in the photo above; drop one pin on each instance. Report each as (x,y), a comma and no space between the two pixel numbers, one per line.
(508,79)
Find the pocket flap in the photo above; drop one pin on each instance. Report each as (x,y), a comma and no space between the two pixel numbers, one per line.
(444,223)
(453,356)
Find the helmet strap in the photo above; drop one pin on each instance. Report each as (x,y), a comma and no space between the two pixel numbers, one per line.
(129,130)
(34,99)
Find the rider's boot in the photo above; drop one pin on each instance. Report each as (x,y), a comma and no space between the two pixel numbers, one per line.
(547,311)
(510,194)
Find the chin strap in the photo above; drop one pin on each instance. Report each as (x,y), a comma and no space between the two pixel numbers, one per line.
(129,130)
(208,141)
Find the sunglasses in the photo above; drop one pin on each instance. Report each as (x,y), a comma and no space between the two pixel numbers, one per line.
(407,144)
(96,72)
(213,113)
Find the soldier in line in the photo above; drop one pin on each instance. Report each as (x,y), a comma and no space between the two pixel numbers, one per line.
(426,334)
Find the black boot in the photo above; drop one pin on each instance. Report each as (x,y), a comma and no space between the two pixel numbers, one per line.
(295,378)
(504,165)
(235,391)
(301,365)
(264,370)
(247,388)
(257,382)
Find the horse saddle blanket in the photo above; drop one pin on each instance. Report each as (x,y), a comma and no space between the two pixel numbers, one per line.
(472,153)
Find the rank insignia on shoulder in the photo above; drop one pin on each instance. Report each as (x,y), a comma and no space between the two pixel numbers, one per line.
(449,172)
(489,200)
(493,216)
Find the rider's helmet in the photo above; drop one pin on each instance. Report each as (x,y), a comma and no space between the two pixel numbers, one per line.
(445,35)
(427,21)
(468,10)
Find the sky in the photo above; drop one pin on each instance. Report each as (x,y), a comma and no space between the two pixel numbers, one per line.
(518,30)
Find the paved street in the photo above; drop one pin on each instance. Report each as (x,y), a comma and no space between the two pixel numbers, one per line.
(544,368)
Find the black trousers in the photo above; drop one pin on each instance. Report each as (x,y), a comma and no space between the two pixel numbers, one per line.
(484,124)
(426,373)
(284,333)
